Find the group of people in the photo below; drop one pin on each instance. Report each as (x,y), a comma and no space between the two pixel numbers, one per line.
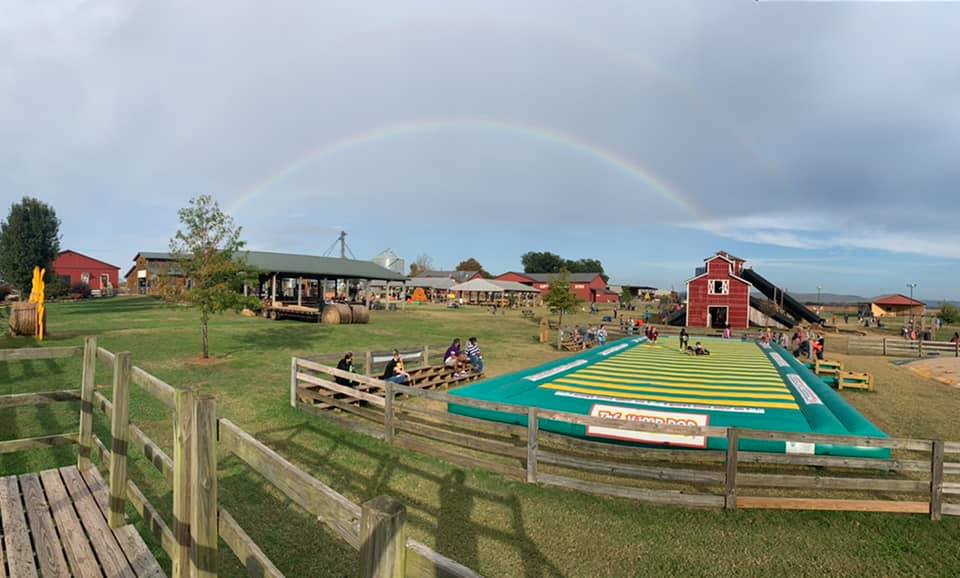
(651,333)
(697,349)
(589,336)
(394,371)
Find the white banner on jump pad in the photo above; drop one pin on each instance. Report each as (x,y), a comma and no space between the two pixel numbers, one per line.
(555,370)
(614,349)
(807,394)
(779,360)
(653,418)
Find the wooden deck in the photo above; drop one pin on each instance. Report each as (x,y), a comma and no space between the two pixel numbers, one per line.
(53,524)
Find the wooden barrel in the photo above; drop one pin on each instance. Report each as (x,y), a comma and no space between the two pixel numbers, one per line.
(330,314)
(23,318)
(346,314)
(360,314)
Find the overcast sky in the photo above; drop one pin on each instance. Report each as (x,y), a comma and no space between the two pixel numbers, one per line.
(821,141)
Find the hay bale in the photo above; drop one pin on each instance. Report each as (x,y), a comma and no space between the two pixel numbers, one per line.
(346,314)
(360,314)
(330,314)
(23,319)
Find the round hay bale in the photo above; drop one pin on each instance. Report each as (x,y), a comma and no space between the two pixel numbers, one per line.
(346,315)
(23,318)
(360,314)
(330,314)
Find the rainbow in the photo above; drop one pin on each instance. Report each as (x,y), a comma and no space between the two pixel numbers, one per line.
(544,134)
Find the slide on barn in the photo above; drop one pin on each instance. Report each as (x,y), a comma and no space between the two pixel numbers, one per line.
(780,318)
(793,307)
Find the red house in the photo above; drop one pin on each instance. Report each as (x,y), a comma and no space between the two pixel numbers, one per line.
(718,296)
(76,268)
(588,287)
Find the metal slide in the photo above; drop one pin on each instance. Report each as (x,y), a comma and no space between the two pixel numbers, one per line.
(780,318)
(790,305)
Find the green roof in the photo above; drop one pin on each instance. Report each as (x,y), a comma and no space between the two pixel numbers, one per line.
(307,265)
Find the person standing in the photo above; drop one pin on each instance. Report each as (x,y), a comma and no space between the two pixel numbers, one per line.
(394,371)
(474,355)
(602,335)
(684,339)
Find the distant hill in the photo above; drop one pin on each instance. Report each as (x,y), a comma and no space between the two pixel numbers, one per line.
(830,298)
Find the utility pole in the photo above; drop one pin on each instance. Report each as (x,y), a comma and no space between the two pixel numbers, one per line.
(913,317)
(343,244)
(819,306)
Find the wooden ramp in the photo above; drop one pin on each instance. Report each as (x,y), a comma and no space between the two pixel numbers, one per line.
(53,524)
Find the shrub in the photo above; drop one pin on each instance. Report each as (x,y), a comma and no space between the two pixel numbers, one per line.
(81,290)
(949,313)
(55,288)
(5,290)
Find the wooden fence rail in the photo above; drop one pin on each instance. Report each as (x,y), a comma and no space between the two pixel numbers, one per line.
(407,418)
(899,347)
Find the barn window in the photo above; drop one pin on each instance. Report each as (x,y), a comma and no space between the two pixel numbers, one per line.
(719,287)
(85,278)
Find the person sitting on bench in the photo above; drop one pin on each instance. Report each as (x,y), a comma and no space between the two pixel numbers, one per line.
(453,357)
(474,354)
(394,370)
(345,364)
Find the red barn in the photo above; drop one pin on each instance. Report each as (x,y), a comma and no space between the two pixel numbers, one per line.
(588,287)
(76,268)
(718,296)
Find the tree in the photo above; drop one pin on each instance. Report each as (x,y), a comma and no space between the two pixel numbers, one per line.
(30,237)
(205,251)
(472,264)
(586,266)
(423,264)
(626,296)
(541,262)
(949,313)
(559,296)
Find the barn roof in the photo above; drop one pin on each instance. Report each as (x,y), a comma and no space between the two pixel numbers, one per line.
(79,254)
(308,265)
(896,300)
(458,276)
(548,277)
(491,286)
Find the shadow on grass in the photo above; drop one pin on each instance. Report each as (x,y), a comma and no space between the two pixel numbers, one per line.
(450,519)
(277,337)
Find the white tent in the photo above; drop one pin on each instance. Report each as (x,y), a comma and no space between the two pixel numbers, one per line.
(490,291)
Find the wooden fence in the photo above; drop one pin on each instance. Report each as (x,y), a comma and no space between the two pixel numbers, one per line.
(374,362)
(375,528)
(899,347)
(915,480)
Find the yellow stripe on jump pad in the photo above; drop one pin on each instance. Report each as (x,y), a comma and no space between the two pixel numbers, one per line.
(678,391)
(706,373)
(669,399)
(672,382)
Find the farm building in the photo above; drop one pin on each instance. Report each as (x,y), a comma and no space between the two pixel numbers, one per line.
(718,296)
(490,291)
(589,287)
(457,276)
(73,268)
(896,305)
(390,260)
(282,276)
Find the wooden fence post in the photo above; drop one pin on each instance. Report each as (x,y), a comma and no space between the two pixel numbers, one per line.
(730,477)
(185,402)
(388,414)
(293,382)
(122,364)
(383,545)
(203,519)
(426,356)
(884,340)
(87,387)
(919,348)
(368,364)
(936,480)
(533,428)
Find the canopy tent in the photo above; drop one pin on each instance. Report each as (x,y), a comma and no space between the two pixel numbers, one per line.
(488,291)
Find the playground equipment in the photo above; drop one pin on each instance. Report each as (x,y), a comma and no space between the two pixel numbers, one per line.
(855,380)
(740,384)
(30,318)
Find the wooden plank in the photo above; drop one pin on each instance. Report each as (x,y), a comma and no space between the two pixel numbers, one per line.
(245,549)
(345,390)
(836,462)
(663,474)
(45,539)
(155,386)
(463,440)
(951,488)
(342,421)
(33,353)
(454,457)
(88,386)
(147,446)
(388,413)
(951,447)
(16,533)
(141,559)
(11,446)
(859,441)
(887,506)
(185,402)
(464,401)
(730,470)
(105,355)
(667,497)
(422,562)
(83,562)
(936,480)
(951,509)
(461,421)
(816,482)
(42,398)
(119,425)
(326,402)
(329,370)
(111,557)
(383,545)
(533,426)
(293,382)
(204,532)
(597,448)
(342,515)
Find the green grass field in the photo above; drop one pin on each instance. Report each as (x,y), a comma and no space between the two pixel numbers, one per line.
(497,527)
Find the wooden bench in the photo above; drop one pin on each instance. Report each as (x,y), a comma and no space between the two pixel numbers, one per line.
(527,314)
(827,367)
(855,380)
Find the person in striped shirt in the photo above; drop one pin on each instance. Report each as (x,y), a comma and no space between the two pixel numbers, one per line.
(473,352)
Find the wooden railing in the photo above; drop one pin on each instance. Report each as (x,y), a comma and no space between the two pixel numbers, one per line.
(376,528)
(373,362)
(899,347)
(915,480)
